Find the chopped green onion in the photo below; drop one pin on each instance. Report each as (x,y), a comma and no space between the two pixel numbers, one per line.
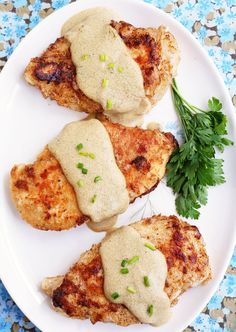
(133,259)
(93,199)
(79,147)
(91,155)
(80,183)
(124,262)
(84,57)
(84,170)
(80,165)
(131,290)
(97,178)
(109,104)
(115,295)
(103,57)
(150,310)
(120,69)
(124,271)
(104,82)
(150,246)
(110,65)
(85,154)
(146,281)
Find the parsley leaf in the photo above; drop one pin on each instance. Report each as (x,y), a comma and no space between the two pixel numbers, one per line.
(193,166)
(214,104)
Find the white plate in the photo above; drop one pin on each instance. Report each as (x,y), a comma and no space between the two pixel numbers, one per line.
(28,122)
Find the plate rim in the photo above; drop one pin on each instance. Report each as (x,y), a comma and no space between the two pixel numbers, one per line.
(4,72)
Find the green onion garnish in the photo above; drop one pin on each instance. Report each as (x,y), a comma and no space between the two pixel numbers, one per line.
(150,246)
(104,82)
(79,147)
(91,155)
(84,57)
(120,69)
(109,104)
(85,154)
(93,199)
(80,183)
(97,178)
(124,262)
(133,259)
(131,290)
(115,295)
(80,165)
(110,65)
(103,57)
(84,170)
(150,310)
(124,271)
(146,281)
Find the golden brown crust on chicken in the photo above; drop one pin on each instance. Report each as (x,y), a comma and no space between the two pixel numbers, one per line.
(54,74)
(155,50)
(47,201)
(43,196)
(81,292)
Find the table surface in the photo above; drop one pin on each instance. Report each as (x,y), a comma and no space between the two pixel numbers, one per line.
(213,23)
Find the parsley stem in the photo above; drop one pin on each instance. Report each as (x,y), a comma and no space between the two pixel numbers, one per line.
(179,108)
(176,89)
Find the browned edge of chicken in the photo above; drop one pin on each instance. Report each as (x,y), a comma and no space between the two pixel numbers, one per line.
(155,50)
(80,294)
(46,200)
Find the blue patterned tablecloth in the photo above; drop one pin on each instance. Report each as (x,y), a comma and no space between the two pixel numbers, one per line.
(213,23)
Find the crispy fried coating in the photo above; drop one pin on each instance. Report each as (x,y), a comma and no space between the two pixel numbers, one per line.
(47,201)
(80,294)
(155,51)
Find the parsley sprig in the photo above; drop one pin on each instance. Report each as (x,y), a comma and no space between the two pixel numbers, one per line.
(193,166)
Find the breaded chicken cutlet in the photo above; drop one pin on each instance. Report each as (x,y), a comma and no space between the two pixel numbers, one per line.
(155,51)
(47,201)
(80,294)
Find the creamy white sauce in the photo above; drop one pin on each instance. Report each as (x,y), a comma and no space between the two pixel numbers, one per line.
(104,225)
(154,125)
(91,36)
(101,200)
(126,243)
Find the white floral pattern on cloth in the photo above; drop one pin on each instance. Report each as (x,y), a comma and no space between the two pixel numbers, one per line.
(213,23)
